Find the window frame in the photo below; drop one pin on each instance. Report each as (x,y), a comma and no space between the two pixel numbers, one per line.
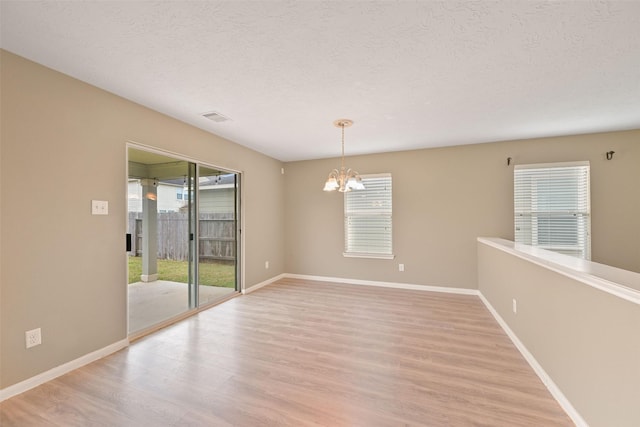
(376,213)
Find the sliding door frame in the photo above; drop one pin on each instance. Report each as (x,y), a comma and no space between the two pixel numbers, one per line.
(239,244)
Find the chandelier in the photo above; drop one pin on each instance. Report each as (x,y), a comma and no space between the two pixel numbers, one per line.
(344,179)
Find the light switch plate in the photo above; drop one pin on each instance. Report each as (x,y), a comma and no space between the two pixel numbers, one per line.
(99,207)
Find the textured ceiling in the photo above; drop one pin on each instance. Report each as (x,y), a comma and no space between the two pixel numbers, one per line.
(410,74)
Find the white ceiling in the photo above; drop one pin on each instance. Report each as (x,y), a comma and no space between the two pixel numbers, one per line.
(410,74)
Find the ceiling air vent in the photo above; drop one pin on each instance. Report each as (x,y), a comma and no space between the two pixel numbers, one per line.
(216,117)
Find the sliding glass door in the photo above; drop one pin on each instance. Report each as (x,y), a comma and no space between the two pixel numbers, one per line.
(217,231)
(183,221)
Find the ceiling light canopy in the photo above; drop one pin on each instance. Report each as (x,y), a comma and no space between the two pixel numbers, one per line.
(344,179)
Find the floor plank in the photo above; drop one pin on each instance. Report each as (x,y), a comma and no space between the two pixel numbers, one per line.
(305,353)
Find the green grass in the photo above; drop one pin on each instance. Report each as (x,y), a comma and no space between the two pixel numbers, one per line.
(211,273)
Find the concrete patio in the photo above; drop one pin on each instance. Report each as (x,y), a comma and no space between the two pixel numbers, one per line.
(153,302)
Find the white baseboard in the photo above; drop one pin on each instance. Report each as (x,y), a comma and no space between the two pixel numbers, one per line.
(537,368)
(263,284)
(413,287)
(42,378)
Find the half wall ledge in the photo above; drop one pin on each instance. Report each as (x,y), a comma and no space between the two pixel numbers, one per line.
(576,322)
(616,281)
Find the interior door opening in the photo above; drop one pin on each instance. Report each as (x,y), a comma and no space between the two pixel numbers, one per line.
(183,222)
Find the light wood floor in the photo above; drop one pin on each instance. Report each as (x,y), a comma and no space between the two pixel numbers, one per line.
(307,353)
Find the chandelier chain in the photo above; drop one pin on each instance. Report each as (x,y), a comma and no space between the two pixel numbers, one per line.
(342,126)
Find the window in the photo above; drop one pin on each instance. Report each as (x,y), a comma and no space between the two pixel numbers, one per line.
(552,207)
(367,219)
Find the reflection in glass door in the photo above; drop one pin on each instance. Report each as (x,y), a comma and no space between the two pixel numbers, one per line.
(182,220)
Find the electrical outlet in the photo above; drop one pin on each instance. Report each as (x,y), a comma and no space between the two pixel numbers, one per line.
(266,265)
(400,267)
(33,337)
(514,306)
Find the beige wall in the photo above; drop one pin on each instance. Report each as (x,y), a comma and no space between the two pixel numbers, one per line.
(585,339)
(1,234)
(63,144)
(443,199)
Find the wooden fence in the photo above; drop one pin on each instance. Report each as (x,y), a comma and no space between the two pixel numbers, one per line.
(217,236)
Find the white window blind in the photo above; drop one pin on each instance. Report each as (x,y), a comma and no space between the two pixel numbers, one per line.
(367,218)
(552,207)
